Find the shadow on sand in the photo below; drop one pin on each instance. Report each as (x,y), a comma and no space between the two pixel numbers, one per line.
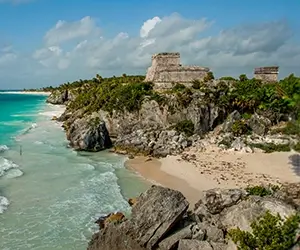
(295,162)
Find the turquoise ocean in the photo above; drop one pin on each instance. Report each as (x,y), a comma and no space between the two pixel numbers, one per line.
(50,195)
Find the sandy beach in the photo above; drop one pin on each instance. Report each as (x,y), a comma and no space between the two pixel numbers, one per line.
(217,169)
(26,92)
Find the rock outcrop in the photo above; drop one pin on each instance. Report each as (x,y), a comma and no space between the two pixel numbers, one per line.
(89,134)
(60,97)
(160,220)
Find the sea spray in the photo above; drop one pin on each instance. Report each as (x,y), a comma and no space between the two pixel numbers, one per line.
(4,203)
(62,191)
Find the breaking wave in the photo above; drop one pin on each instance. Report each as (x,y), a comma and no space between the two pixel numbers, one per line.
(4,203)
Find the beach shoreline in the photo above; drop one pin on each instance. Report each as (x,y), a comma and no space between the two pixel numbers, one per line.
(215,169)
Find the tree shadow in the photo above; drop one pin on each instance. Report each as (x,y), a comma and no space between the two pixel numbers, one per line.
(295,162)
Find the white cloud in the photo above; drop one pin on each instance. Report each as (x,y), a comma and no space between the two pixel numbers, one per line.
(148,26)
(64,31)
(76,49)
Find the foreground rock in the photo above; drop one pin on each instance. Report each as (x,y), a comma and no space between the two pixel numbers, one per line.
(160,220)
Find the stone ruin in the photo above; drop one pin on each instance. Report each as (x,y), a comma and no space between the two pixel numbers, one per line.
(267,74)
(167,70)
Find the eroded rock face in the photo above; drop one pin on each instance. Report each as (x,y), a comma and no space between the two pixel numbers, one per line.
(156,212)
(160,220)
(61,97)
(259,124)
(89,134)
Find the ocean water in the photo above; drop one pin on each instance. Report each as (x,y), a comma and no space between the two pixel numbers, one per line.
(50,195)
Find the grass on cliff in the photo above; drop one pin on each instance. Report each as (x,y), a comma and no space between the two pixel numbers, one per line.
(269,232)
(126,93)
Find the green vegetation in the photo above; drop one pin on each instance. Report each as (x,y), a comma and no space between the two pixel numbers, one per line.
(209,76)
(247,96)
(269,232)
(271,147)
(178,87)
(124,93)
(291,128)
(239,128)
(261,190)
(228,78)
(186,127)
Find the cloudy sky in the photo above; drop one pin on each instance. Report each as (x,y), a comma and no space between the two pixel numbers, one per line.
(48,42)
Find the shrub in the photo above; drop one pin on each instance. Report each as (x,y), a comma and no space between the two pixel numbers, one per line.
(178,87)
(186,127)
(270,232)
(261,190)
(185,97)
(291,128)
(271,147)
(209,76)
(243,78)
(227,78)
(239,128)
(196,84)
(297,147)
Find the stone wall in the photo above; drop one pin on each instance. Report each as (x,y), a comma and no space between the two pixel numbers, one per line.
(166,69)
(266,74)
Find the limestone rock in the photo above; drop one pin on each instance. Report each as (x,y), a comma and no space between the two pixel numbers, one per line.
(233,117)
(155,214)
(289,193)
(89,134)
(171,242)
(259,124)
(194,245)
(159,208)
(217,199)
(250,209)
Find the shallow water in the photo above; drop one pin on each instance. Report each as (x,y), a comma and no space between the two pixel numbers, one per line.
(54,193)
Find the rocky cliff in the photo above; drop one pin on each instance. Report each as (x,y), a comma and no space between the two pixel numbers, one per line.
(233,114)
(161,219)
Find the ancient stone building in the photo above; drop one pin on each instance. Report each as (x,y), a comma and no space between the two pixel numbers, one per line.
(167,70)
(266,74)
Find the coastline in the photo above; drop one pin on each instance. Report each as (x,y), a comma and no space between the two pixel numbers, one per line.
(217,170)
(26,92)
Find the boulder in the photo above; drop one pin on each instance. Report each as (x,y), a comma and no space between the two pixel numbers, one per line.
(248,210)
(160,220)
(171,242)
(89,134)
(58,97)
(259,124)
(216,200)
(155,214)
(194,245)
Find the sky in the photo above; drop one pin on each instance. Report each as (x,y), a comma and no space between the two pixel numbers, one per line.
(49,42)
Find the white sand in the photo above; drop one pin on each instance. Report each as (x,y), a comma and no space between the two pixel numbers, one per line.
(212,169)
(26,92)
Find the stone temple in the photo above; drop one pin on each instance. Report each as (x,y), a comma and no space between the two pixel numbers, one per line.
(267,74)
(167,70)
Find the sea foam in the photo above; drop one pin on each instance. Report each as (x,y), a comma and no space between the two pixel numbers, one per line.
(4,203)
(3,148)
(6,166)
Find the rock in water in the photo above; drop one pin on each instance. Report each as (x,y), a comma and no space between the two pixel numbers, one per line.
(89,134)
(160,220)
(153,216)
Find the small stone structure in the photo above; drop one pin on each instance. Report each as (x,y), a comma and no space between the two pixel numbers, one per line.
(167,70)
(266,74)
